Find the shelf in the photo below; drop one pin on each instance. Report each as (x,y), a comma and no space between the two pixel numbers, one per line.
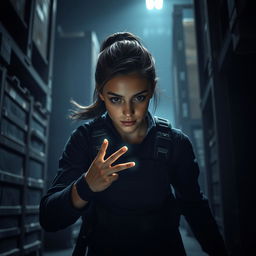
(35,226)
(23,61)
(10,210)
(32,246)
(35,183)
(26,61)
(8,232)
(12,144)
(11,178)
(39,156)
(30,209)
(16,21)
(14,121)
(12,252)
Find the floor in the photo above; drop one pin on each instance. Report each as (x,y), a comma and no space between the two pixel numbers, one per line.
(191,245)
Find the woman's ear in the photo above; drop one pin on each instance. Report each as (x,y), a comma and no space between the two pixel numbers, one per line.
(101,97)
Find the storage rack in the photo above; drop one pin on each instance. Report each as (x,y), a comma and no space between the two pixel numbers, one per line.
(226,39)
(185,85)
(72,79)
(26,52)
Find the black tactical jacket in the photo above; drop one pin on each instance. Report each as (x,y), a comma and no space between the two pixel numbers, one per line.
(139,210)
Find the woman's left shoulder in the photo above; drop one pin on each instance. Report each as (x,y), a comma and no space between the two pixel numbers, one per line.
(180,138)
(177,134)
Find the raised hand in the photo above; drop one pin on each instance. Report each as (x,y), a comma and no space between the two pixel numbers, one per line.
(101,173)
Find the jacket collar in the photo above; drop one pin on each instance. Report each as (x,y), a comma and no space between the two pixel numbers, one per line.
(149,118)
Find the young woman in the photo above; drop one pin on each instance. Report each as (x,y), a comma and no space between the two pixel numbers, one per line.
(117,170)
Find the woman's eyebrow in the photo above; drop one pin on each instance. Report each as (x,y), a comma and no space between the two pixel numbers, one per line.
(118,95)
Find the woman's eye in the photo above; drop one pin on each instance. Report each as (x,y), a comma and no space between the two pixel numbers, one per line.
(140,98)
(115,100)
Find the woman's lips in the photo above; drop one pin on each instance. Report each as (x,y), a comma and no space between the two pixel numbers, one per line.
(128,123)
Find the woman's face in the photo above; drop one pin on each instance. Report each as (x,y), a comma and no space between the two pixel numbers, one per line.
(126,99)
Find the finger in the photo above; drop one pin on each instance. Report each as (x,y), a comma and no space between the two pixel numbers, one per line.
(120,167)
(113,177)
(103,149)
(111,159)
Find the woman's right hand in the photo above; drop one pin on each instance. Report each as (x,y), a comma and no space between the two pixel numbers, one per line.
(101,173)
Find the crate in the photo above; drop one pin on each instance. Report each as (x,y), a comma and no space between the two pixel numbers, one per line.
(10,217)
(42,32)
(26,53)
(32,223)
(10,246)
(11,196)
(38,143)
(41,21)
(5,48)
(2,79)
(15,112)
(38,125)
(33,197)
(16,101)
(32,241)
(39,120)
(13,132)
(33,235)
(9,226)
(38,129)
(19,6)
(35,169)
(11,161)
(14,15)
(8,222)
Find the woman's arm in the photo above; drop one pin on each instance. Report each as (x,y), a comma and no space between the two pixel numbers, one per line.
(62,206)
(192,203)
(77,182)
(77,201)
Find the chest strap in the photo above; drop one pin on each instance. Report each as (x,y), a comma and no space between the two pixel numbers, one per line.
(162,144)
(163,139)
(98,134)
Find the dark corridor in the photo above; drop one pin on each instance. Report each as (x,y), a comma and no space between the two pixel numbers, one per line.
(205,60)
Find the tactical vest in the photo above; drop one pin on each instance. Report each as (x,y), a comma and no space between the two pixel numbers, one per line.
(162,144)
(161,151)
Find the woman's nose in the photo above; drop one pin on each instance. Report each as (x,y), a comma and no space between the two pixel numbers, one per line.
(128,109)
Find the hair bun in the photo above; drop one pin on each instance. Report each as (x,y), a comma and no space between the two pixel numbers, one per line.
(119,36)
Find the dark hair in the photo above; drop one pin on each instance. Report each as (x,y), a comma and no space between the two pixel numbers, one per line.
(120,54)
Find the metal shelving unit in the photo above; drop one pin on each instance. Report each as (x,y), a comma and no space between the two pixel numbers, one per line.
(25,74)
(226,42)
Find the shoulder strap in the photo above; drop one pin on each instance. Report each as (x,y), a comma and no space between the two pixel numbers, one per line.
(163,139)
(98,134)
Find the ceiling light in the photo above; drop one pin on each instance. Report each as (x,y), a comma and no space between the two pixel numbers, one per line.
(157,4)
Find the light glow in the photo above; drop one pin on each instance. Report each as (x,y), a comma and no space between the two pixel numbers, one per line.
(157,4)
(150,4)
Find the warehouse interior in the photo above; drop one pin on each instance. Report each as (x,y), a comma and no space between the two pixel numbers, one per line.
(205,62)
